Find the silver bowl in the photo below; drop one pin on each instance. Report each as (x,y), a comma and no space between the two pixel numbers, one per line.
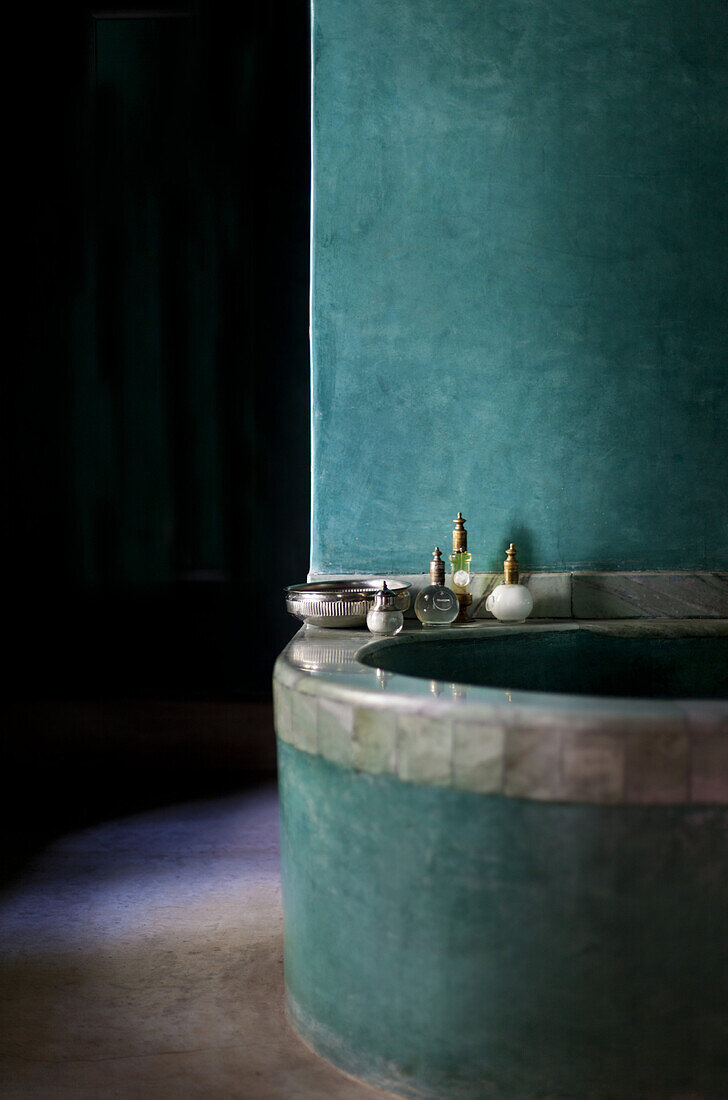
(342,604)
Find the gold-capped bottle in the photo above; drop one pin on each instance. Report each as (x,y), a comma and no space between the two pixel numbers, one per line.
(510,602)
(460,560)
(436,605)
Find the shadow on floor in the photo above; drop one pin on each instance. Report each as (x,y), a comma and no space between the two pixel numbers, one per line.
(143,958)
(69,764)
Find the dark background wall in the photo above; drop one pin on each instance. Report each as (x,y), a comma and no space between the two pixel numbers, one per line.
(157,465)
(520,256)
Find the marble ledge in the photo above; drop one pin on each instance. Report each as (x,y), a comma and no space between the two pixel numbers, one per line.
(599,595)
(540,747)
(676,762)
(649,595)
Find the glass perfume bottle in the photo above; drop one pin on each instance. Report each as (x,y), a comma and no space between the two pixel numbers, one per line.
(384,617)
(510,602)
(436,605)
(460,560)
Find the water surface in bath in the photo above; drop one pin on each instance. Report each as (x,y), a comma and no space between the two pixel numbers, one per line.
(576,662)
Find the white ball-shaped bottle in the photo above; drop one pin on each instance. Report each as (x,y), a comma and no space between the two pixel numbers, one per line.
(510,602)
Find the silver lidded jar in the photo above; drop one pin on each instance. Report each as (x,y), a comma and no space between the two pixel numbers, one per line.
(384,617)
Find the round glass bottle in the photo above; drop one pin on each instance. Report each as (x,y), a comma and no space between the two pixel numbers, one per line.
(436,605)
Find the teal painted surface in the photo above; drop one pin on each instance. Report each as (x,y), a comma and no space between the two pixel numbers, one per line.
(572,663)
(461,945)
(519,292)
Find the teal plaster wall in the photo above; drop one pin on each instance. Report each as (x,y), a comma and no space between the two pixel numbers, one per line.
(519,303)
(460,945)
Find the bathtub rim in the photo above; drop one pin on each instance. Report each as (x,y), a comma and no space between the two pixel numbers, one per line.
(535,745)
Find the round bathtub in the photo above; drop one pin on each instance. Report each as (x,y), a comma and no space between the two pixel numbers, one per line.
(505,857)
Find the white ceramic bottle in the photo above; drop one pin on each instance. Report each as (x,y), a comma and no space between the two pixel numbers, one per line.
(510,602)
(384,617)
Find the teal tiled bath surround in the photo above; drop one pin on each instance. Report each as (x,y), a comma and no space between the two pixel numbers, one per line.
(447,944)
(500,894)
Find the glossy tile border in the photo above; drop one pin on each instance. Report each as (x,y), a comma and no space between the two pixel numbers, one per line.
(557,749)
(601,595)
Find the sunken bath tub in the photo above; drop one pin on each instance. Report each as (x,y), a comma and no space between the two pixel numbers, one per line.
(505,857)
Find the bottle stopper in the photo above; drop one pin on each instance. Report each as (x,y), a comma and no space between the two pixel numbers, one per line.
(459,535)
(510,566)
(437,568)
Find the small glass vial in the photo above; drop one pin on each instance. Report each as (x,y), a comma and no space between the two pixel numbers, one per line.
(383,616)
(436,605)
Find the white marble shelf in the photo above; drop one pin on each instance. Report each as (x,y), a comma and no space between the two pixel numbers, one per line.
(581,595)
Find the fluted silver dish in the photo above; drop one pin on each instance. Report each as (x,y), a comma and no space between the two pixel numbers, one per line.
(343,604)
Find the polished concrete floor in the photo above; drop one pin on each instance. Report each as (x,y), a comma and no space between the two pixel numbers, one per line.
(142,957)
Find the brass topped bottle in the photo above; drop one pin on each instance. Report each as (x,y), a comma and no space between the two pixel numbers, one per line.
(460,560)
(436,605)
(510,602)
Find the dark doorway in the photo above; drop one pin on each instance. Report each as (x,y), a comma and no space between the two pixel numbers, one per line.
(159,432)
(158,424)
